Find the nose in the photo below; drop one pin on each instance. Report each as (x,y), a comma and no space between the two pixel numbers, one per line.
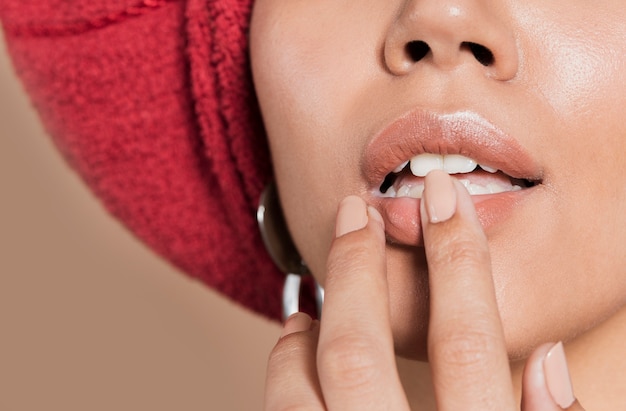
(451,33)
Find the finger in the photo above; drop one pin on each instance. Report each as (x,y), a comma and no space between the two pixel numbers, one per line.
(296,323)
(466,345)
(291,381)
(356,362)
(546,384)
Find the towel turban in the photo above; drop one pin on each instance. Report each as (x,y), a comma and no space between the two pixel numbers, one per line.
(152,103)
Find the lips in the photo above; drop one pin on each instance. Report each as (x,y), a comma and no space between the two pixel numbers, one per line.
(461,133)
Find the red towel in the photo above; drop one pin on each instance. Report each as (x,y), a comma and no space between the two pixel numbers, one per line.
(151,101)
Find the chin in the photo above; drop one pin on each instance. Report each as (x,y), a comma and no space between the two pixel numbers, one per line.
(526,323)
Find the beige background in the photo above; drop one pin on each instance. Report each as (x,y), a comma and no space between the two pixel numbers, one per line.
(89,318)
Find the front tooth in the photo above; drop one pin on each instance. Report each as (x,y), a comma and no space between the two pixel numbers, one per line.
(423,164)
(455,163)
(488,169)
(401,167)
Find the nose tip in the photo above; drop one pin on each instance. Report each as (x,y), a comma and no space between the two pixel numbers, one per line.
(450,33)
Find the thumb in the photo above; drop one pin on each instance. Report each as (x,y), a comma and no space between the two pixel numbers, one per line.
(546,383)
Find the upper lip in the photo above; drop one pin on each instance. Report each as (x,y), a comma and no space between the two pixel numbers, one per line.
(465,132)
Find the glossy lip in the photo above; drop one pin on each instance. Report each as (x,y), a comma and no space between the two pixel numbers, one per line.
(465,133)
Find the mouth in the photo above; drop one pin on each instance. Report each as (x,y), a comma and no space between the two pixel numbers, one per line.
(407,179)
(494,168)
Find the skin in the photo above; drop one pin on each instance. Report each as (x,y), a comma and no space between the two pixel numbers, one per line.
(330,74)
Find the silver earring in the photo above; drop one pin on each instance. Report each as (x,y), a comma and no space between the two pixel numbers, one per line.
(283,251)
(291,295)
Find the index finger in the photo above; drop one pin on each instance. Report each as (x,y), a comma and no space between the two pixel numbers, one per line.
(356,363)
(466,346)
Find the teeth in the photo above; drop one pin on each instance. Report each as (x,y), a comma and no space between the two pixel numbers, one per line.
(488,169)
(416,190)
(454,163)
(423,164)
(403,191)
(401,167)
(491,188)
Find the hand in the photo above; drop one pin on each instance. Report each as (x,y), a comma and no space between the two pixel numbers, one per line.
(347,362)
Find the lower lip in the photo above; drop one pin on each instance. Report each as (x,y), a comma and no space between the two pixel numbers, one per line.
(402,215)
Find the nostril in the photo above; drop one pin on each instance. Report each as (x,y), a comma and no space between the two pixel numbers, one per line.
(417,50)
(481,53)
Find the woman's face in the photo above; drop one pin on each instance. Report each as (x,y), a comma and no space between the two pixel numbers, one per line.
(351,90)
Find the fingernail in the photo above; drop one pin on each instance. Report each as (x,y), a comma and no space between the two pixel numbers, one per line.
(557,376)
(439,196)
(351,216)
(374,214)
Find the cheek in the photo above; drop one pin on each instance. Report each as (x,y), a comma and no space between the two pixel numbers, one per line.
(582,80)
(310,65)
(577,70)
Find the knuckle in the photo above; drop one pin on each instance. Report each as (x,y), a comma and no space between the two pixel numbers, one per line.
(463,251)
(286,351)
(348,257)
(466,351)
(350,362)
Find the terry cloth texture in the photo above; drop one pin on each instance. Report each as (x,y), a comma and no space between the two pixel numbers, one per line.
(151,102)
